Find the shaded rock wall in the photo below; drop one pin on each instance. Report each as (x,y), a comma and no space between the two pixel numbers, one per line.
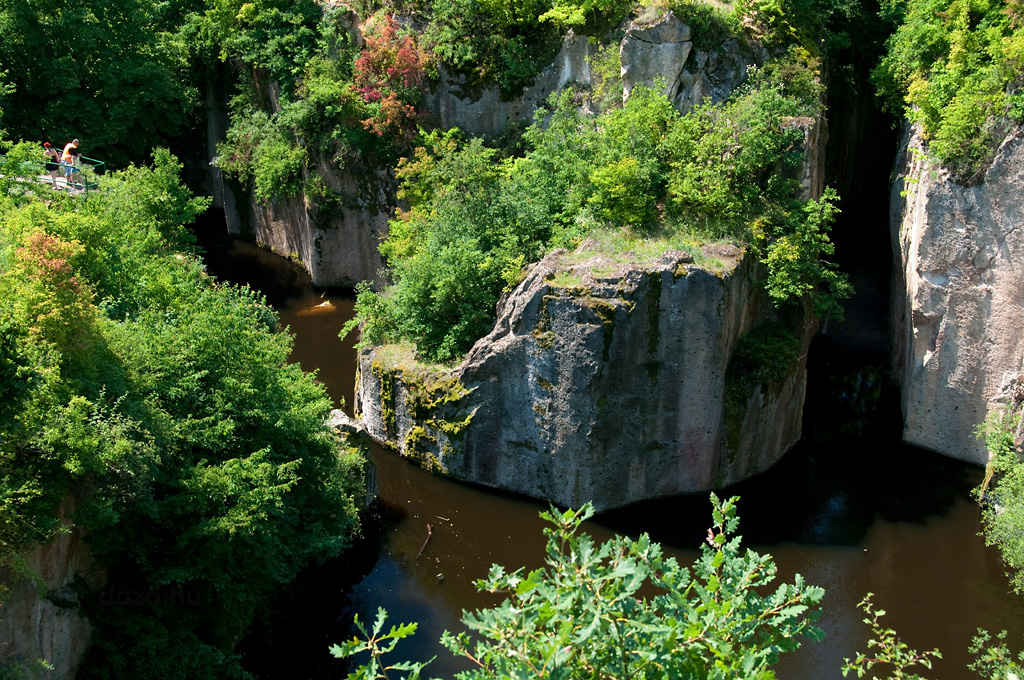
(601,382)
(958,295)
(336,243)
(40,619)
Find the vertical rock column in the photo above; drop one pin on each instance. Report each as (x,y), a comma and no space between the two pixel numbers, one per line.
(957,295)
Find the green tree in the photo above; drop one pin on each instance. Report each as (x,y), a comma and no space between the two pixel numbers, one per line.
(1002,493)
(953,65)
(886,649)
(583,615)
(113,73)
(165,401)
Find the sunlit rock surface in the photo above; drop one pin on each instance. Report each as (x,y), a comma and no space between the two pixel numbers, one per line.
(958,295)
(663,51)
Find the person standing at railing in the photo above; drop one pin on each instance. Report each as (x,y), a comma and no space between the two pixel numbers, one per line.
(68,160)
(52,162)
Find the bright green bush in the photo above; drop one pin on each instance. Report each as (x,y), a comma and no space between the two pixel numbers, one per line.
(1003,492)
(953,66)
(501,42)
(164,401)
(509,42)
(586,615)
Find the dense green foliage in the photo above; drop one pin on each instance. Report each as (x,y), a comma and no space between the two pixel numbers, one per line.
(162,402)
(509,42)
(1002,493)
(954,66)
(477,217)
(111,72)
(623,610)
(763,356)
(321,115)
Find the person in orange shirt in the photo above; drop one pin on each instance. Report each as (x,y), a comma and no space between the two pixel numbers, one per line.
(67,160)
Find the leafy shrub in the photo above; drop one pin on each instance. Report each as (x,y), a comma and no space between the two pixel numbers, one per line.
(886,649)
(1003,492)
(950,65)
(165,401)
(735,161)
(710,24)
(501,42)
(583,615)
(389,74)
(566,14)
(257,149)
(733,174)
(277,36)
(124,88)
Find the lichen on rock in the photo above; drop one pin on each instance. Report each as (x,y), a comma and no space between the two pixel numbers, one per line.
(609,387)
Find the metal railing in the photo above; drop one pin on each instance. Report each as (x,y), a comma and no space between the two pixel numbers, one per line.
(83,178)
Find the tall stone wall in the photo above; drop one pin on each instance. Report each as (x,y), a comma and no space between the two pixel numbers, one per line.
(957,295)
(336,243)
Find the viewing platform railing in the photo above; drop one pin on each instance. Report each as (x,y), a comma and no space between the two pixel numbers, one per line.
(84,178)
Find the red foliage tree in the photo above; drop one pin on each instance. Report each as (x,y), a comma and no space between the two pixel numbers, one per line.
(389,72)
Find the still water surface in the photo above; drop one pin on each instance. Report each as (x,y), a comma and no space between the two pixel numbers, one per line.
(850,508)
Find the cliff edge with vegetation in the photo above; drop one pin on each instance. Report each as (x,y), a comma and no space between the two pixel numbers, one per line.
(610,378)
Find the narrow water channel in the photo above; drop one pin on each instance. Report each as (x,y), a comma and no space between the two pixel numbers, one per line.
(850,508)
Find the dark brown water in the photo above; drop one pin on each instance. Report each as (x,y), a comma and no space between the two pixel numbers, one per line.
(851,509)
(314,315)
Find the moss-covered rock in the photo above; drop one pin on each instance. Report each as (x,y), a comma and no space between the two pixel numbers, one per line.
(604,379)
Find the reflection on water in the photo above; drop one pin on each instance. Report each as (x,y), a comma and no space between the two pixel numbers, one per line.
(853,513)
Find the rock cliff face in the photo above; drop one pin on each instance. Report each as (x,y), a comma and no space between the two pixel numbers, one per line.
(337,243)
(487,111)
(601,381)
(651,50)
(40,619)
(665,50)
(958,295)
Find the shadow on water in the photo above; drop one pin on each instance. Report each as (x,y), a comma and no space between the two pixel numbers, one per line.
(851,508)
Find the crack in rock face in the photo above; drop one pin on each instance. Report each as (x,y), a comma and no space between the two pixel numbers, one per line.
(658,51)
